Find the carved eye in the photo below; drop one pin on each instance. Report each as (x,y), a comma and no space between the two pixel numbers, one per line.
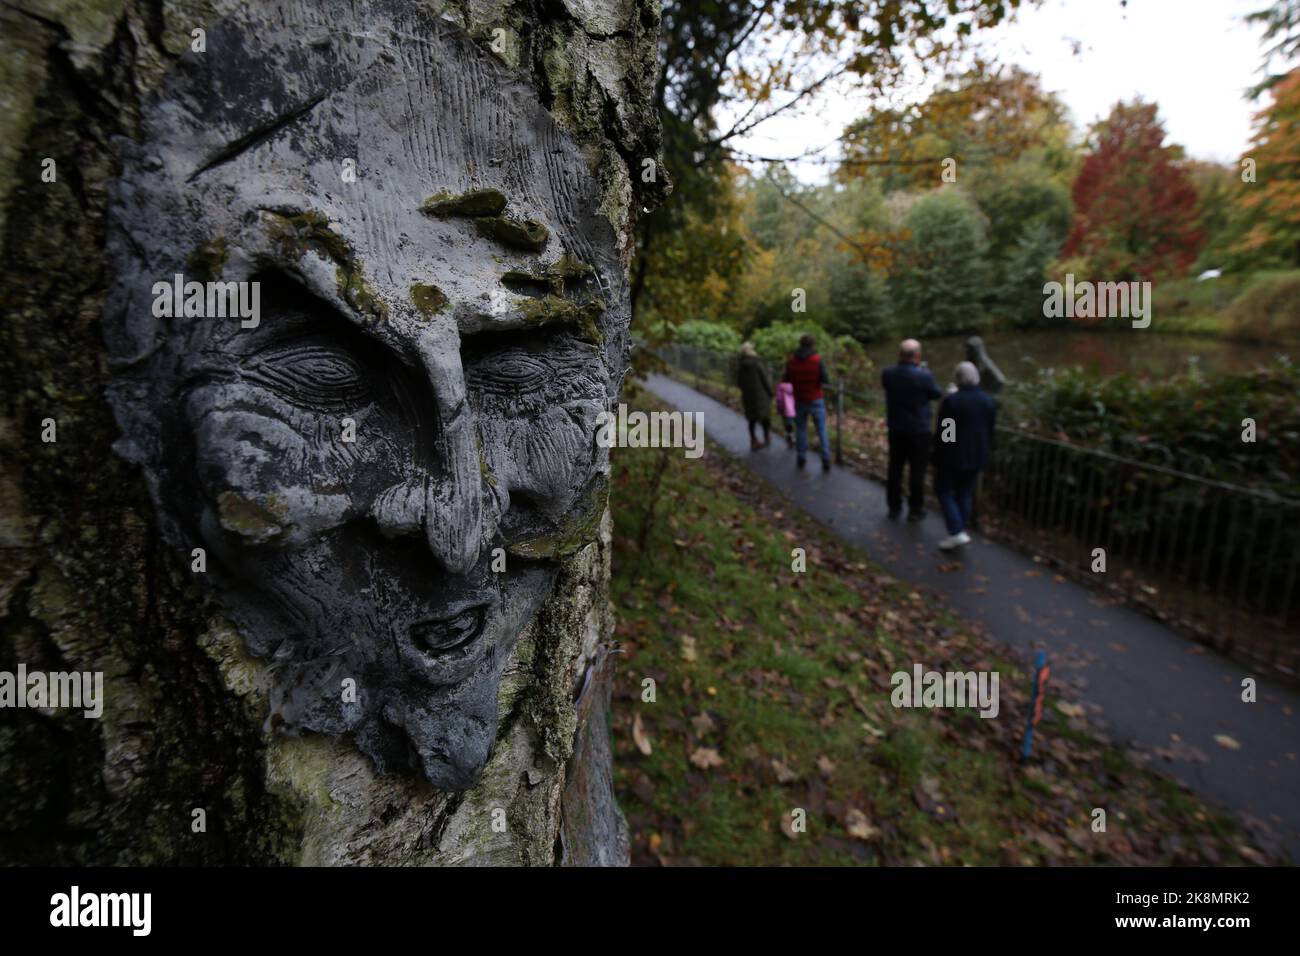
(441,636)
(510,372)
(314,376)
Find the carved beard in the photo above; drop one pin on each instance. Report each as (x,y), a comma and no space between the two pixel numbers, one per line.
(436,339)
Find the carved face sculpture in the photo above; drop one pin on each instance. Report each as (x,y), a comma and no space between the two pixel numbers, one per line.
(442,315)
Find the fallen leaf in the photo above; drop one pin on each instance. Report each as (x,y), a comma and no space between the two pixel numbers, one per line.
(856,822)
(783,773)
(928,798)
(688,649)
(639,736)
(1223,740)
(703,723)
(705,758)
(931,786)
(1253,855)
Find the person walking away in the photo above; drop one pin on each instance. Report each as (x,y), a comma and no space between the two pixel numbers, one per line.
(806,371)
(755,395)
(963,442)
(909,390)
(785,408)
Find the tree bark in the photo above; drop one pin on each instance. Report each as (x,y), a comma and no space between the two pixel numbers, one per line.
(86,584)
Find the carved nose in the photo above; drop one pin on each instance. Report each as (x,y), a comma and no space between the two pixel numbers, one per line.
(453,505)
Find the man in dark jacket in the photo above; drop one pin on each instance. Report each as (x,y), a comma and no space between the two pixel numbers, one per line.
(806,371)
(909,390)
(755,395)
(963,441)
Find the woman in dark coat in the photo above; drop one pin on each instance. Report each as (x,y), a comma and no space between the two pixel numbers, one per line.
(963,442)
(755,394)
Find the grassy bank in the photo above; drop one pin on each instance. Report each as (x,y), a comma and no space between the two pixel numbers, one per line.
(1261,306)
(772,693)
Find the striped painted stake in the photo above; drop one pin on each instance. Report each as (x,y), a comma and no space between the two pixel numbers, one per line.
(1041,673)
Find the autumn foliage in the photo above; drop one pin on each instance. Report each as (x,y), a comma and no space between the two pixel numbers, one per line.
(1135,207)
(1271,203)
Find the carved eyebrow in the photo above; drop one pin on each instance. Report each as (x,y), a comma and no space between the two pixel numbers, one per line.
(296,232)
(285,291)
(533,313)
(558,293)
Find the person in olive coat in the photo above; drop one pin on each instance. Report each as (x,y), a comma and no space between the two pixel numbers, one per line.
(755,394)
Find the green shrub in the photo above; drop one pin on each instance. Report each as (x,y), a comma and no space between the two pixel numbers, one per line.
(1268,310)
(846,360)
(708,335)
(944,277)
(1190,422)
(859,302)
(1025,269)
(776,341)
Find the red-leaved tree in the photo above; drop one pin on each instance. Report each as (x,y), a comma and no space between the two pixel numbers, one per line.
(1135,208)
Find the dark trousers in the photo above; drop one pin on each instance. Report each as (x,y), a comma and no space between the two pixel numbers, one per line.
(913,451)
(955,491)
(764,423)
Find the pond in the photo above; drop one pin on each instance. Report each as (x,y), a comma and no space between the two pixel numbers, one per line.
(1146,354)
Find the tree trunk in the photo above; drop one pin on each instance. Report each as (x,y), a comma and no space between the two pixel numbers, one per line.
(88,582)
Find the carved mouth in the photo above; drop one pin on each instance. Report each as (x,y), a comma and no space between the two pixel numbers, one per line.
(445,635)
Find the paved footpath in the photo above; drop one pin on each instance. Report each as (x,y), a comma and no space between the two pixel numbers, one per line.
(1156,690)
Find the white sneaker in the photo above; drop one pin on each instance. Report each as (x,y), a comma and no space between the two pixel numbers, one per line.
(954,541)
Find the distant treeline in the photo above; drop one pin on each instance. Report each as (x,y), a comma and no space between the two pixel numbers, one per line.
(949,217)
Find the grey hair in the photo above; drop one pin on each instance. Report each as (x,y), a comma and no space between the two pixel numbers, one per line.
(966,374)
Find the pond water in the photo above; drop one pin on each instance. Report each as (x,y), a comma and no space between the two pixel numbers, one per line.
(1146,354)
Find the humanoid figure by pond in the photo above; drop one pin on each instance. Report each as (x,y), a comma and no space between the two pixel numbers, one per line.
(443,314)
(991,378)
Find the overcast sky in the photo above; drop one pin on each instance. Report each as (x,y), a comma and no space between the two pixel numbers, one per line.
(1194,58)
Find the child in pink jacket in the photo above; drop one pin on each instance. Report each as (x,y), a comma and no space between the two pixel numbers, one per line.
(785,408)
